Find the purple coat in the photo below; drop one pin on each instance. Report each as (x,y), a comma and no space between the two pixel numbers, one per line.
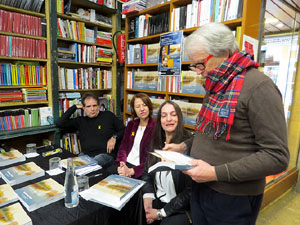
(128,140)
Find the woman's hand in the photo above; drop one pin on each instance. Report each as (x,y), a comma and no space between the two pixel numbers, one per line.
(123,170)
(151,215)
(148,207)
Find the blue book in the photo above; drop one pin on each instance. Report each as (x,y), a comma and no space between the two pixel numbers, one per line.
(40,194)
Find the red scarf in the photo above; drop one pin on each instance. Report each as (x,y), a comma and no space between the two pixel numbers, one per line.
(224,83)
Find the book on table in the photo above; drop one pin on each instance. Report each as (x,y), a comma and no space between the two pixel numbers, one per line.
(11,157)
(14,215)
(171,161)
(7,195)
(21,173)
(114,191)
(83,164)
(40,194)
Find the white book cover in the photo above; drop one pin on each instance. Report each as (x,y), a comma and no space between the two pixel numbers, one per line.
(13,156)
(7,195)
(14,215)
(46,116)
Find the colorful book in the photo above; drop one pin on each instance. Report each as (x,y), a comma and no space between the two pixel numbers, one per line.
(21,173)
(171,161)
(14,214)
(13,156)
(7,195)
(40,194)
(114,191)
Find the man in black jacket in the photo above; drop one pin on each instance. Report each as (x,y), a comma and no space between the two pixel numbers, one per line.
(99,131)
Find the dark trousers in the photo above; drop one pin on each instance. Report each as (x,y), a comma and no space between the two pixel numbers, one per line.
(212,208)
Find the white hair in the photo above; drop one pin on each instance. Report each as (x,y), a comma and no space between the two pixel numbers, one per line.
(213,38)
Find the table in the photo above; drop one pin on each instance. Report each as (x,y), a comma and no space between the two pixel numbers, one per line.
(86,213)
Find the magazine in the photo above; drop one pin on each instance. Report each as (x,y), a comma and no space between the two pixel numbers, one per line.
(13,156)
(113,191)
(7,195)
(171,161)
(40,194)
(14,215)
(21,173)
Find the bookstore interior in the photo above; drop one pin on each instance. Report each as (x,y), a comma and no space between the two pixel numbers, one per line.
(54,52)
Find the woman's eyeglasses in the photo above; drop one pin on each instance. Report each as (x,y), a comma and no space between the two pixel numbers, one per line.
(200,65)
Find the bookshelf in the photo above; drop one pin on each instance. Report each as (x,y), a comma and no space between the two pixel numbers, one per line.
(28,30)
(248,22)
(78,32)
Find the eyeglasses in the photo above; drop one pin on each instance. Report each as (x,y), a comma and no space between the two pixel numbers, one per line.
(200,65)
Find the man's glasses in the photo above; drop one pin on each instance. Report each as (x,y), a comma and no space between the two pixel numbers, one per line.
(200,65)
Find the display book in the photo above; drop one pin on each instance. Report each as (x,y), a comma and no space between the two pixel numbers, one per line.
(11,157)
(14,215)
(83,164)
(114,191)
(21,173)
(40,194)
(171,161)
(7,195)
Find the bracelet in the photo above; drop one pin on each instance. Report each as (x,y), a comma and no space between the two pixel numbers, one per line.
(159,214)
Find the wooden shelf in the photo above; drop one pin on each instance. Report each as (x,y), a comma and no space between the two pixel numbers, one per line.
(23,35)
(189,127)
(146,40)
(23,11)
(21,86)
(185,95)
(26,131)
(87,22)
(153,10)
(83,42)
(82,64)
(142,65)
(23,59)
(10,104)
(83,90)
(147,91)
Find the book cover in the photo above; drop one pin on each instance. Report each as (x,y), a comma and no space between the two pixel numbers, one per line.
(171,161)
(40,194)
(14,215)
(7,195)
(46,116)
(152,53)
(191,83)
(21,173)
(82,164)
(13,156)
(113,191)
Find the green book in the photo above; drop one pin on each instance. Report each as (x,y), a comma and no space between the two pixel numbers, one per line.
(35,117)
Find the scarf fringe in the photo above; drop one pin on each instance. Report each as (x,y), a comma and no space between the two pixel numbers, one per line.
(205,126)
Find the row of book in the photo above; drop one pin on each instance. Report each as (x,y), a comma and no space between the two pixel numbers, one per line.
(146,80)
(85,54)
(22,74)
(89,78)
(31,5)
(23,118)
(11,96)
(19,23)
(67,100)
(148,25)
(22,47)
(71,143)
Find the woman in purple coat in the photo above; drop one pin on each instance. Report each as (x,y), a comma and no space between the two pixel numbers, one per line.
(134,148)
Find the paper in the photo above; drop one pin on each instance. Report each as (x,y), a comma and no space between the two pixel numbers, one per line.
(55,171)
(31,155)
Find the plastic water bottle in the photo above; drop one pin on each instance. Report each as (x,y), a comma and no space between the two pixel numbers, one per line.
(71,186)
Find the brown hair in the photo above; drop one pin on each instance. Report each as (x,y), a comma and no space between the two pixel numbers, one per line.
(145,98)
(89,95)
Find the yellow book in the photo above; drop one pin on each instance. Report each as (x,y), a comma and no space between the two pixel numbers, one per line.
(33,71)
(238,35)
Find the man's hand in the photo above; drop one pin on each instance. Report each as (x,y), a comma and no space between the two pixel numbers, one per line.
(79,106)
(123,170)
(148,207)
(111,144)
(203,172)
(175,147)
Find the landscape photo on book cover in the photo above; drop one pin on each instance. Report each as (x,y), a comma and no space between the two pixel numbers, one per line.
(9,157)
(7,194)
(14,215)
(116,186)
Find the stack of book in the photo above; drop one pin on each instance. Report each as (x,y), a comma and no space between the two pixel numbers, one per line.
(34,94)
(10,95)
(40,194)
(114,191)
(7,195)
(104,55)
(14,214)
(13,156)
(21,173)
(133,6)
(104,38)
(83,164)
(32,5)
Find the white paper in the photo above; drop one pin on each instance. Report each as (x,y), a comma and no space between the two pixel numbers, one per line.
(32,155)
(55,171)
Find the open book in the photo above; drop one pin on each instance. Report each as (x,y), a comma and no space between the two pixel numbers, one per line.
(113,191)
(171,161)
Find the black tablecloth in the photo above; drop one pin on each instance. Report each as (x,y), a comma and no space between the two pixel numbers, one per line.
(86,213)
